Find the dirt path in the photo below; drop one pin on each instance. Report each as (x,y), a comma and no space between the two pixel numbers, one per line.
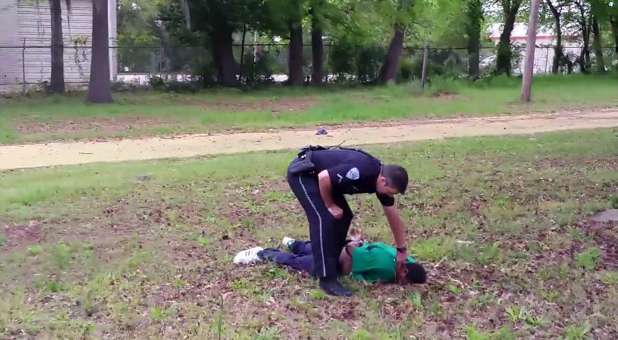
(39,155)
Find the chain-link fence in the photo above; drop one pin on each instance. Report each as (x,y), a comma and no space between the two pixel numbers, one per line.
(260,63)
(24,67)
(29,66)
(269,62)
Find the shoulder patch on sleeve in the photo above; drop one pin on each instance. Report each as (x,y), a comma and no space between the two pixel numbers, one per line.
(353,174)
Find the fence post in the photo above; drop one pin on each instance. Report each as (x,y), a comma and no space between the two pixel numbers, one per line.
(161,60)
(424,69)
(547,59)
(23,67)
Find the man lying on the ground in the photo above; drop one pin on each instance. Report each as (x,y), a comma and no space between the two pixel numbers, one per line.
(366,261)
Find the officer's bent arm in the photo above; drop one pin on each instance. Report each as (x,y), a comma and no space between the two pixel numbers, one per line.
(326,188)
(396,224)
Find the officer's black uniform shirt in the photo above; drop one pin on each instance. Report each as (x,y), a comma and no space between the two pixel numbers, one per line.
(351,172)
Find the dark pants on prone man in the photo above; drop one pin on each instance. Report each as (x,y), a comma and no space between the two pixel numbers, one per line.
(300,257)
(327,234)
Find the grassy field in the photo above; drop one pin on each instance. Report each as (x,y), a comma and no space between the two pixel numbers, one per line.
(33,119)
(143,249)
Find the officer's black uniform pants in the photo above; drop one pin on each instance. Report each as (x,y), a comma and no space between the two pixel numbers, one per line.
(327,234)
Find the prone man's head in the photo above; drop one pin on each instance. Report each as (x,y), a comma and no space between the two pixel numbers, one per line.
(416,273)
(393,179)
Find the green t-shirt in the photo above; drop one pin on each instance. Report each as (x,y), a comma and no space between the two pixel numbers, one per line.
(375,262)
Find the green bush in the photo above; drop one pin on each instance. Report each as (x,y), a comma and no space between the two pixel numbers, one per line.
(443,85)
(262,69)
(182,86)
(501,81)
(440,62)
(156,83)
(342,59)
(406,70)
(368,62)
(614,202)
(207,73)
(350,62)
(160,84)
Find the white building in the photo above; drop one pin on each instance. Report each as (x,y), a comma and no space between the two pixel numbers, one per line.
(545,41)
(27,23)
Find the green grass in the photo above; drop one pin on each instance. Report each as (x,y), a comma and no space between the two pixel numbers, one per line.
(216,110)
(125,257)
(589,258)
(577,332)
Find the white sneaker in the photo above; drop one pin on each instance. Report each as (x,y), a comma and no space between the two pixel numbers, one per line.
(287,242)
(248,256)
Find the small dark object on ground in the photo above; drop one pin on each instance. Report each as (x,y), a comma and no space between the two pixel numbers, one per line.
(321,131)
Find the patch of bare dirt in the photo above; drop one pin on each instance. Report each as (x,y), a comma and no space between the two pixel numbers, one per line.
(604,229)
(18,236)
(36,155)
(103,124)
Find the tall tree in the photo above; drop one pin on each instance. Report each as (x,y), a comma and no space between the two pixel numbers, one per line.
(612,12)
(56,84)
(603,12)
(100,89)
(295,50)
(596,45)
(474,14)
(584,23)
(218,20)
(556,11)
(317,44)
(137,27)
(614,23)
(285,18)
(400,14)
(389,69)
(510,8)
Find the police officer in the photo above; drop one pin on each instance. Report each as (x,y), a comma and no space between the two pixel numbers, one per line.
(319,177)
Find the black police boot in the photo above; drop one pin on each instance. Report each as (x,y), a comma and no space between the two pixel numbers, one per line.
(332,287)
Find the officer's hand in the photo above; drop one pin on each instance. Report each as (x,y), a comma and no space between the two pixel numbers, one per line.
(335,211)
(402,270)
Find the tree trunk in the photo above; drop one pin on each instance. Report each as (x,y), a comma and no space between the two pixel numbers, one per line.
(317,51)
(56,84)
(558,50)
(295,56)
(164,49)
(388,73)
(598,50)
(223,55)
(503,62)
(242,55)
(614,23)
(528,72)
(473,28)
(99,89)
(584,57)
